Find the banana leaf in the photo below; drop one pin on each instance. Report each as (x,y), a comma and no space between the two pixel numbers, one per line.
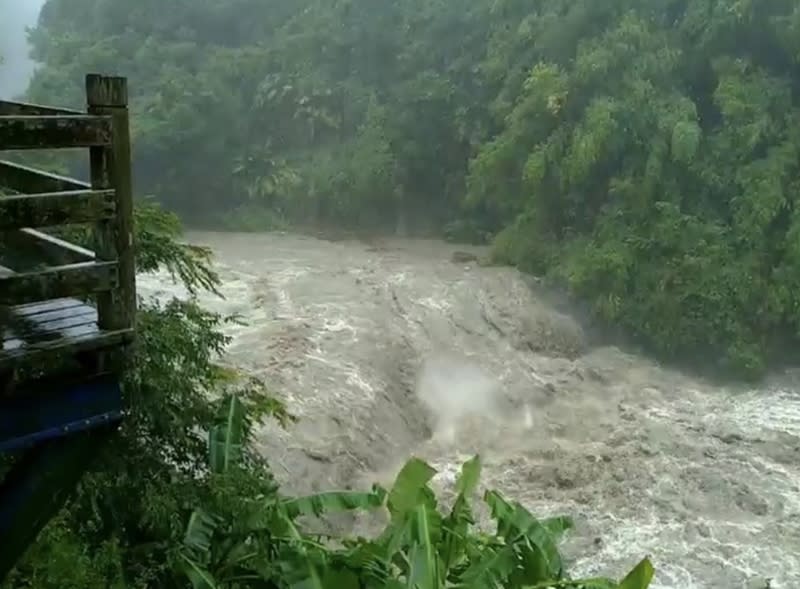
(410,482)
(333,502)
(227,435)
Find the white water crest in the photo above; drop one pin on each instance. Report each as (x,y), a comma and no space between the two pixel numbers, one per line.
(388,350)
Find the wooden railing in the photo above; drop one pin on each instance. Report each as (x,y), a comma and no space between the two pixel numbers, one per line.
(34,201)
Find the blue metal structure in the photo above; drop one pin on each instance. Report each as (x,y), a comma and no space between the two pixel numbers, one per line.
(39,416)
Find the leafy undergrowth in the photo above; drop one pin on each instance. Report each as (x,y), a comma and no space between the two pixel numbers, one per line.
(258,543)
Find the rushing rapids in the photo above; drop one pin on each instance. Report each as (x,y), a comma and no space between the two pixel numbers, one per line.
(397,347)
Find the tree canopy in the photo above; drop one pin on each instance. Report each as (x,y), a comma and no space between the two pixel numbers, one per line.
(644,152)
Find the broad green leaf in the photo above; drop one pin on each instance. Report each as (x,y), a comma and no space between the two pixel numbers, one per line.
(576,584)
(408,485)
(333,502)
(261,516)
(455,528)
(199,577)
(304,566)
(423,570)
(539,552)
(640,577)
(199,534)
(456,525)
(371,560)
(240,553)
(470,476)
(226,437)
(340,579)
(558,525)
(598,583)
(489,571)
(424,560)
(429,527)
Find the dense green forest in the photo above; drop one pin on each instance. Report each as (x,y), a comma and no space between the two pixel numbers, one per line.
(642,152)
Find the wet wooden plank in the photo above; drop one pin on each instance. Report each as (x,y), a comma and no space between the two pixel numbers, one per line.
(66,326)
(110,167)
(49,209)
(59,337)
(59,282)
(53,321)
(54,132)
(26,321)
(40,246)
(75,341)
(52,306)
(24,179)
(62,324)
(13,108)
(48,320)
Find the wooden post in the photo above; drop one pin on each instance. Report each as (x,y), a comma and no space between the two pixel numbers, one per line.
(111,168)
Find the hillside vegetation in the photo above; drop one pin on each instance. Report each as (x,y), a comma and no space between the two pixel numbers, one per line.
(644,152)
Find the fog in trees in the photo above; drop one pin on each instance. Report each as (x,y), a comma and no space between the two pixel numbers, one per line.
(16,66)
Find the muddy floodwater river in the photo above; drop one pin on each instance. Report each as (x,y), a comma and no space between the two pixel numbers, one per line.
(390,349)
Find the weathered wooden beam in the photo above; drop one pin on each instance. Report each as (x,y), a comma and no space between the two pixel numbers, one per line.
(9,108)
(32,244)
(111,168)
(88,343)
(71,280)
(54,132)
(49,209)
(24,179)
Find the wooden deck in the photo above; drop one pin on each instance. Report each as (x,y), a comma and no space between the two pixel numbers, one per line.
(52,326)
(59,298)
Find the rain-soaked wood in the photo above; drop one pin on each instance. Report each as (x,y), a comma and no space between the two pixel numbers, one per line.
(9,108)
(90,343)
(21,178)
(111,168)
(71,280)
(92,335)
(54,132)
(62,325)
(37,245)
(49,209)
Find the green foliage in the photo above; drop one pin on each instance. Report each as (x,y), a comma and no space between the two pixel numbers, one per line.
(121,527)
(260,544)
(567,130)
(663,191)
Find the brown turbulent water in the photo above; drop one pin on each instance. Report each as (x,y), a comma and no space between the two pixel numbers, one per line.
(390,349)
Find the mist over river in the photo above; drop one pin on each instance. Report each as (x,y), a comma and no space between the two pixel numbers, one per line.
(389,348)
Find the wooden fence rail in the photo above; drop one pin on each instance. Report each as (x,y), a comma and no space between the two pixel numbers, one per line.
(54,132)
(35,200)
(8,108)
(21,178)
